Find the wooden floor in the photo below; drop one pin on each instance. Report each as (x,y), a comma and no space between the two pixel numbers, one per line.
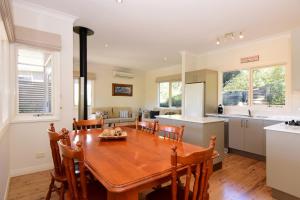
(240,179)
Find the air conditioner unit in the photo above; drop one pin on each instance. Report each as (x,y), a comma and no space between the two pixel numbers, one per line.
(123,74)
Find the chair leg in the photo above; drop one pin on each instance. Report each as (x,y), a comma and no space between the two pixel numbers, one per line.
(62,191)
(50,189)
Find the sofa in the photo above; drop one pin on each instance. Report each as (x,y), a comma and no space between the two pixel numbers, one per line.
(115,115)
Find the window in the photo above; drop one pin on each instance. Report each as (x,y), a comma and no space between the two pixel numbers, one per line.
(89,92)
(235,88)
(269,86)
(170,94)
(34,82)
(266,86)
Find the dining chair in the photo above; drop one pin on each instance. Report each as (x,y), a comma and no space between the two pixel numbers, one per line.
(147,126)
(171,132)
(88,124)
(57,174)
(78,187)
(198,165)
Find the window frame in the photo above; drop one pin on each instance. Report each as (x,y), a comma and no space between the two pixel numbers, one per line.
(250,86)
(170,94)
(30,117)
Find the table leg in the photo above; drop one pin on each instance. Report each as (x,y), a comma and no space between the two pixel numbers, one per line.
(129,195)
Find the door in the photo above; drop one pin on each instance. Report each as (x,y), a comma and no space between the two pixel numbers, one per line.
(236,133)
(194,100)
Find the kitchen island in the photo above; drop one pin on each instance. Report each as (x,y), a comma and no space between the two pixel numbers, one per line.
(283,163)
(198,131)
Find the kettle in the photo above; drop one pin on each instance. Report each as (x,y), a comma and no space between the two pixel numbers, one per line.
(220,109)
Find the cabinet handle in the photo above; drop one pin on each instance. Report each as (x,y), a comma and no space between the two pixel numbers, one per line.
(246,123)
(242,123)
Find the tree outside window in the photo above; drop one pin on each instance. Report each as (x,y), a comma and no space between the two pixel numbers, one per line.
(267,86)
(170,94)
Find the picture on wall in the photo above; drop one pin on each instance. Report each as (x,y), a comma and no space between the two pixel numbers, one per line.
(121,89)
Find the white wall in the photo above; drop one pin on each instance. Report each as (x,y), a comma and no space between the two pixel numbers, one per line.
(27,139)
(103,87)
(4,112)
(272,50)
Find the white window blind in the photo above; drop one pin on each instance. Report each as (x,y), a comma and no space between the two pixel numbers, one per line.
(34,81)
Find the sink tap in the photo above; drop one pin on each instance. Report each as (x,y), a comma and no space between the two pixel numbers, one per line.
(249,113)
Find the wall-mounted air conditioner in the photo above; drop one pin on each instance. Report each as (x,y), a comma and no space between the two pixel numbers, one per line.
(123,74)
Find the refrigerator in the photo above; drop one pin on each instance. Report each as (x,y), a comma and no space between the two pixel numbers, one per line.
(194,99)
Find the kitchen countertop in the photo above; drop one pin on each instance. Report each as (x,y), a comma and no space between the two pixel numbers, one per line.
(201,120)
(284,128)
(261,117)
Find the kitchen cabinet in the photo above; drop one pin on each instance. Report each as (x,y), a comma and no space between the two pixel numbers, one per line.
(210,79)
(254,136)
(248,134)
(236,136)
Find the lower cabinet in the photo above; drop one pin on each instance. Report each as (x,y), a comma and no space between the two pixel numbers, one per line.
(248,134)
(254,137)
(236,133)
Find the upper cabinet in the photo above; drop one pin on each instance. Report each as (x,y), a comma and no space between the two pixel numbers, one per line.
(295,43)
(210,78)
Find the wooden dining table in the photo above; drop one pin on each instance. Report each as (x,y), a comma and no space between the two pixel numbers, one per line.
(129,166)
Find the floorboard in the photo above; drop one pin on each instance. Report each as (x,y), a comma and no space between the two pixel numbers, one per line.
(240,179)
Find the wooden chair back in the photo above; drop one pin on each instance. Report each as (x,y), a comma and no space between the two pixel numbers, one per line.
(200,164)
(150,126)
(171,132)
(54,137)
(88,124)
(77,191)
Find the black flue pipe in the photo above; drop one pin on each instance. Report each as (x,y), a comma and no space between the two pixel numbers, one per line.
(82,104)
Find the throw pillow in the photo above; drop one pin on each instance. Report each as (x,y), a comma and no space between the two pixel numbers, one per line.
(124,114)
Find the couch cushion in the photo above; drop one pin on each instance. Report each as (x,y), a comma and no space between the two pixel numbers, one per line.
(108,110)
(124,114)
(116,111)
(111,120)
(127,120)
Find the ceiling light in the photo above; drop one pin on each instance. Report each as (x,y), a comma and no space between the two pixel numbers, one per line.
(218,42)
(119,1)
(106,45)
(165,59)
(241,36)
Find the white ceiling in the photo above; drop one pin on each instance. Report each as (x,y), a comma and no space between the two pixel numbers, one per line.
(140,33)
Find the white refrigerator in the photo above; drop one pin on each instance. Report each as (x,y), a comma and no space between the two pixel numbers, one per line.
(194,100)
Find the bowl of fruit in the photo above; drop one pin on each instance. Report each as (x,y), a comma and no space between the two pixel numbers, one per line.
(113,134)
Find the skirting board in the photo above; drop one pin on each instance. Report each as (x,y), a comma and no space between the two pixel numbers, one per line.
(7,188)
(277,194)
(30,170)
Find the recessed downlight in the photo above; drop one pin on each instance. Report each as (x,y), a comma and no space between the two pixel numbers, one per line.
(165,59)
(119,1)
(106,45)
(241,36)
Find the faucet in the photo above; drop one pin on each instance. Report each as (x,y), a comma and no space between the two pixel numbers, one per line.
(249,113)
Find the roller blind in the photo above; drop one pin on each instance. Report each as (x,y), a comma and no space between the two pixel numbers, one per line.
(34,82)
(37,38)
(175,77)
(90,76)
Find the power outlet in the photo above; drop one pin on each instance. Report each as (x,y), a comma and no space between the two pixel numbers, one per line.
(39,155)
